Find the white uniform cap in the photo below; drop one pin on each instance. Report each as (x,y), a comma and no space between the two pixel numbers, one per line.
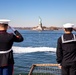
(68,25)
(4,21)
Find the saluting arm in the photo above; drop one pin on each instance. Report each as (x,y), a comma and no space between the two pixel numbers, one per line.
(74,29)
(17,34)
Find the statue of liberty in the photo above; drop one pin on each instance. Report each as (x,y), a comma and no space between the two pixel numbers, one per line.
(40,21)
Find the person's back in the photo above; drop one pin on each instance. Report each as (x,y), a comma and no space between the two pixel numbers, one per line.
(68,48)
(6,43)
(66,51)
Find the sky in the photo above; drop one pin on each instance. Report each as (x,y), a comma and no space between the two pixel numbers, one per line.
(25,13)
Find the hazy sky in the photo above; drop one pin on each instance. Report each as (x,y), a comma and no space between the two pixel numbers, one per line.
(25,13)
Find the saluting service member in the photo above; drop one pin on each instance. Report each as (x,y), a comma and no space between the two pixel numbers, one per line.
(66,50)
(6,52)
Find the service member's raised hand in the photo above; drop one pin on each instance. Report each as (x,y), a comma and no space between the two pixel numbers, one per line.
(74,29)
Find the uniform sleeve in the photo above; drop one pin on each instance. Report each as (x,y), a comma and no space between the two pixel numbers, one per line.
(18,37)
(59,53)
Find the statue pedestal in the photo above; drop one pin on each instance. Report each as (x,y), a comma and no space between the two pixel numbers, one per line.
(40,27)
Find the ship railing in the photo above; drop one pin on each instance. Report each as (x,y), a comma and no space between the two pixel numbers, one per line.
(45,69)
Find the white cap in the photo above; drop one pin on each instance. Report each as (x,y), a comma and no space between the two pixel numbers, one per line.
(68,25)
(4,21)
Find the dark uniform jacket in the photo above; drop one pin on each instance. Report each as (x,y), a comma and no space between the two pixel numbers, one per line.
(66,49)
(6,42)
